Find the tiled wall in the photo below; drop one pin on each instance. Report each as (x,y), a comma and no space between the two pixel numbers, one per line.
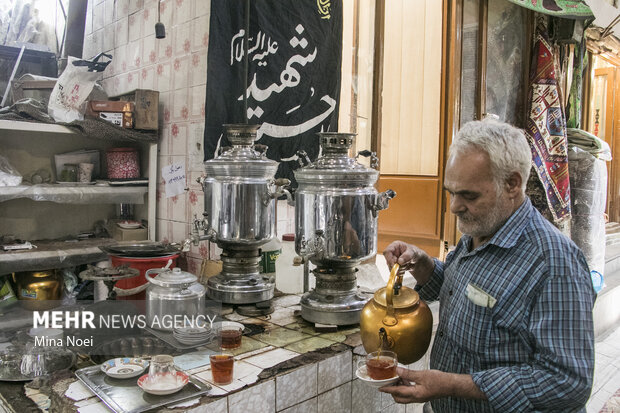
(177,67)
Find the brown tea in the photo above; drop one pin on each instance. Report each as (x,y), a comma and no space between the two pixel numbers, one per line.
(222,368)
(230,339)
(381,368)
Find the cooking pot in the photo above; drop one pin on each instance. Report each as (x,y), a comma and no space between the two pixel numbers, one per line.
(397,319)
(39,290)
(336,204)
(172,293)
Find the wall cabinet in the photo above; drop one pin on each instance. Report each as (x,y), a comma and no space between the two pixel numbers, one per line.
(52,211)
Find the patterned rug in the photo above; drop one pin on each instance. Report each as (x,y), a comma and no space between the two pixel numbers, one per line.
(546,129)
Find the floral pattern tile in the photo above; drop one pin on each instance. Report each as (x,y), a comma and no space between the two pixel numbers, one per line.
(259,398)
(296,386)
(280,336)
(335,371)
(309,344)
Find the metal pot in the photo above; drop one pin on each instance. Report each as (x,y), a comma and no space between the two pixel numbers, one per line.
(39,290)
(397,319)
(336,204)
(172,293)
(240,190)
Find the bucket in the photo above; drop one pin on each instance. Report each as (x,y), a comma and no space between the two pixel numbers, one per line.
(139,282)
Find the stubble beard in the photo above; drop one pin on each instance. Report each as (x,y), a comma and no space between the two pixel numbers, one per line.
(485,225)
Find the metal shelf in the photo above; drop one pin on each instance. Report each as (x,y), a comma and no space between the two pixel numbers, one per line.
(90,194)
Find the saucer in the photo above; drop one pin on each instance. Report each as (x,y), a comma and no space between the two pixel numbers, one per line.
(129,224)
(124,367)
(166,386)
(363,376)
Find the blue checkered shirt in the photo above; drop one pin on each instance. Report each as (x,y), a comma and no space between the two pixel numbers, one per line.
(534,349)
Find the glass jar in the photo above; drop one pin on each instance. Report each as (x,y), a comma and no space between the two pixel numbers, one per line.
(68,173)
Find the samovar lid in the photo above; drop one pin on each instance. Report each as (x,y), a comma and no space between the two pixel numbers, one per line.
(241,160)
(335,166)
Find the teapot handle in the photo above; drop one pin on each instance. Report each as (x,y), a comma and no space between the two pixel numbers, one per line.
(395,280)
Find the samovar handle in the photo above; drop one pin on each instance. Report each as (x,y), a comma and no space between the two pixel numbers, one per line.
(394,283)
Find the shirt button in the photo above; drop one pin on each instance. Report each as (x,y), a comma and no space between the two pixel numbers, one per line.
(440,334)
(450,292)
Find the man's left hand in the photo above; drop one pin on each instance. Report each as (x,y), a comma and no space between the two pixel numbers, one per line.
(423,385)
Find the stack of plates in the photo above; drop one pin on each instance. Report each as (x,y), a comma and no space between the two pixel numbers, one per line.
(193,335)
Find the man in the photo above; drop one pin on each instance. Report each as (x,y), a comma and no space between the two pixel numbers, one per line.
(515,329)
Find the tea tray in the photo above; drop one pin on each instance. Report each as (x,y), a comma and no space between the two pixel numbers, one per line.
(124,395)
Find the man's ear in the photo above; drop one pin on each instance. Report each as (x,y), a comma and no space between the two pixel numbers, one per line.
(513,183)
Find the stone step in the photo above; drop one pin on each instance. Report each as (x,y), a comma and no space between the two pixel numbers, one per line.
(606,313)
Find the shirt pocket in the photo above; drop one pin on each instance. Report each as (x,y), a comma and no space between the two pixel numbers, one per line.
(470,324)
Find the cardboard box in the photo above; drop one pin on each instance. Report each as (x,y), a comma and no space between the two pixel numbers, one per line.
(146,109)
(118,113)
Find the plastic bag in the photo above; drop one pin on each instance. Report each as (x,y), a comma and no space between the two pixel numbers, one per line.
(8,175)
(67,101)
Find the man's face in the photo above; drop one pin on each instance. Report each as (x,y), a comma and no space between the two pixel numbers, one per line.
(481,210)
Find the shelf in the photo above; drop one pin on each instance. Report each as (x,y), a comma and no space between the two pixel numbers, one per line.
(91,194)
(40,127)
(54,254)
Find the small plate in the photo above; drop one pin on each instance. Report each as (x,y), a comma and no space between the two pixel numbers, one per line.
(182,379)
(129,224)
(124,367)
(363,376)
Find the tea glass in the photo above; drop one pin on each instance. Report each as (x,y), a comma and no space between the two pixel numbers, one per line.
(380,365)
(162,367)
(229,337)
(222,368)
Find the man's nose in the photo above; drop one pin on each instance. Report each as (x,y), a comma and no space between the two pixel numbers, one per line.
(457,205)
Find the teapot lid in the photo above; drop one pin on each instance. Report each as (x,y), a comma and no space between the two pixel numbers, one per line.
(170,277)
(407,297)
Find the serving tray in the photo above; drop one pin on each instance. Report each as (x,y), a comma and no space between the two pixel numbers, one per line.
(124,395)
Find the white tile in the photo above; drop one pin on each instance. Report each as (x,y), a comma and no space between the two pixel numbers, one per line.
(163,78)
(135,5)
(243,369)
(164,48)
(149,50)
(200,33)
(198,70)
(364,399)
(259,398)
(147,77)
(122,32)
(215,406)
(334,371)
(309,406)
(182,11)
(98,16)
(134,54)
(336,400)
(182,45)
(271,358)
(149,18)
(108,17)
(135,22)
(197,102)
(179,107)
(296,386)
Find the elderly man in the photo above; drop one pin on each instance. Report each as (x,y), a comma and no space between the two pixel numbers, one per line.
(515,327)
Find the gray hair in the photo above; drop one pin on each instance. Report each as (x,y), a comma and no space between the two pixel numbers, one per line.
(506,146)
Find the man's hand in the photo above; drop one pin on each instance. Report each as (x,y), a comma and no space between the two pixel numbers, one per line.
(411,258)
(424,385)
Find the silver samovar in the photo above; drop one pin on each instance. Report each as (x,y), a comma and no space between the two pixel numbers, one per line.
(336,207)
(239,194)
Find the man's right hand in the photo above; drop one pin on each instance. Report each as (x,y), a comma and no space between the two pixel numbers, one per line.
(411,258)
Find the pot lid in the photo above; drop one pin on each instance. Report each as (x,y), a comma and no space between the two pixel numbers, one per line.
(241,160)
(407,297)
(165,277)
(335,166)
(140,249)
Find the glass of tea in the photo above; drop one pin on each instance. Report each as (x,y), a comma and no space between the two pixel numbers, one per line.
(381,365)
(222,368)
(229,335)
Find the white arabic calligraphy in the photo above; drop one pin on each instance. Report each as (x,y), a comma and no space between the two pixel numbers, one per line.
(279,131)
(237,46)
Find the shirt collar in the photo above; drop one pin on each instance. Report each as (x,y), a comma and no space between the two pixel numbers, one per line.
(508,235)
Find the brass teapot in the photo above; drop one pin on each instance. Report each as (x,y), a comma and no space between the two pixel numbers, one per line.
(38,290)
(397,319)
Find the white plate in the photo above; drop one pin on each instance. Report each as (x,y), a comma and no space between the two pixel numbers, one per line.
(160,391)
(363,376)
(227,324)
(129,224)
(124,367)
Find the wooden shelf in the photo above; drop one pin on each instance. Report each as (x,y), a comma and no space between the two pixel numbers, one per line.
(91,194)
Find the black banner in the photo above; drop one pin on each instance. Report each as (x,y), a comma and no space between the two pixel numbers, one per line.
(294,57)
